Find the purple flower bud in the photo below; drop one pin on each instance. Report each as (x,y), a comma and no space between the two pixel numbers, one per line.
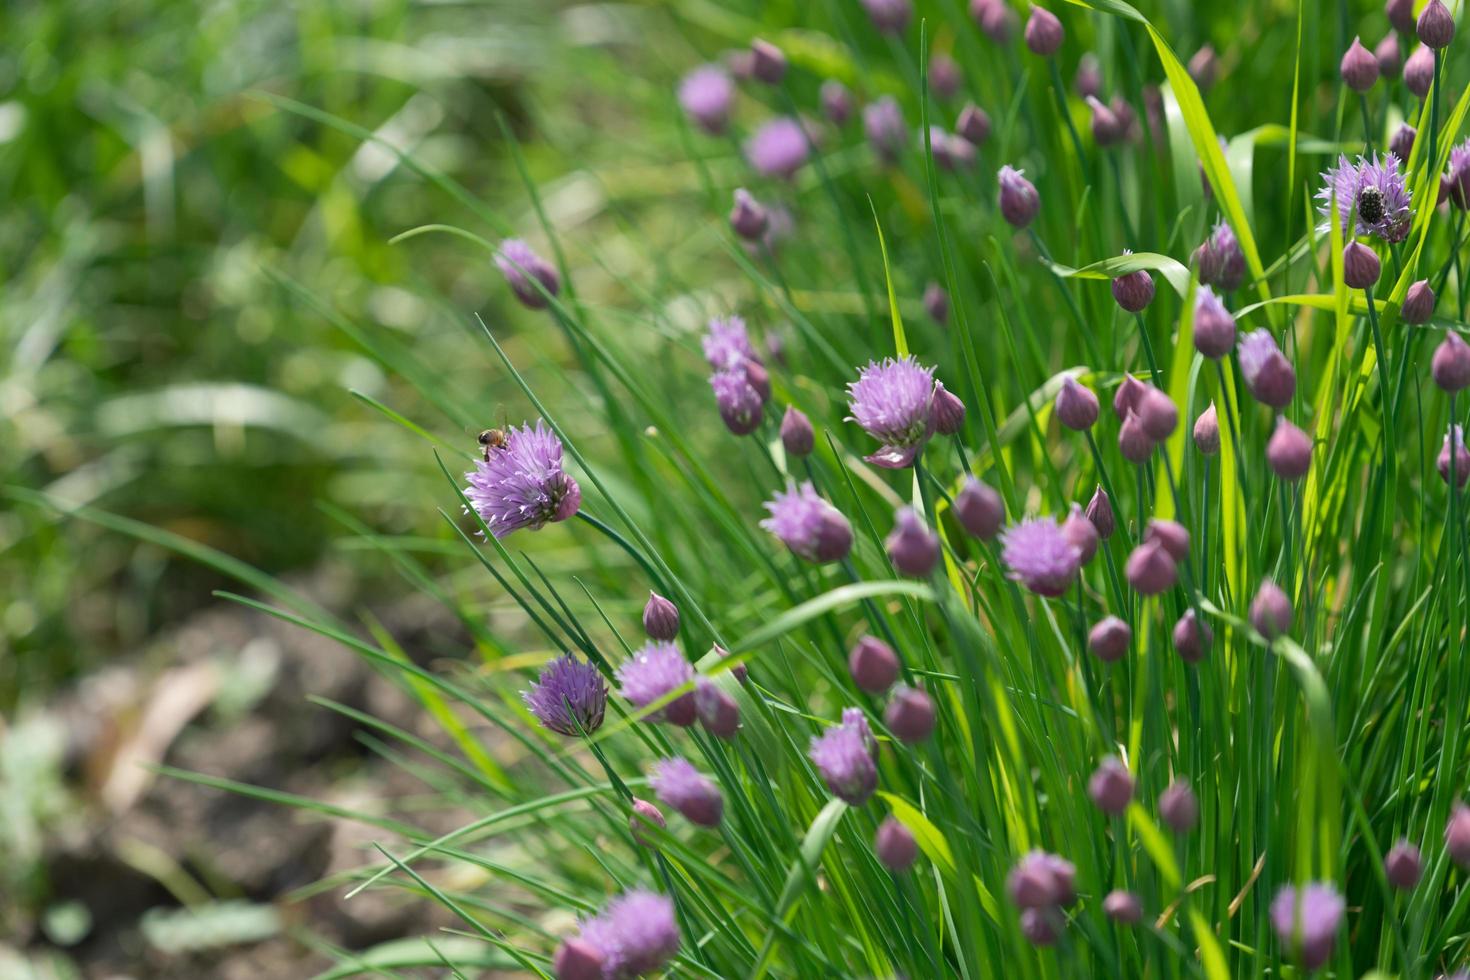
(1076,405)
(520,266)
(911,546)
(1457,835)
(1389,57)
(1214,327)
(1040,880)
(1402,143)
(747,217)
(910,714)
(1088,80)
(950,152)
(1359,67)
(944,76)
(936,303)
(1151,569)
(738,401)
(1134,291)
(1126,398)
(706,95)
(1040,556)
(741,63)
(1400,15)
(1207,431)
(1158,414)
(889,16)
(1134,441)
(1100,513)
(655,671)
(946,410)
(758,378)
(1268,374)
(1108,640)
(1289,451)
(884,127)
(738,670)
(836,102)
(577,959)
(1360,266)
(1451,364)
(1178,807)
(873,665)
(796,432)
(811,527)
(1461,455)
(1111,787)
(1123,907)
(569,697)
(779,147)
(1044,33)
(1107,129)
(644,814)
(1172,535)
(1418,303)
(1041,927)
(1220,259)
(1191,638)
(844,755)
(1079,531)
(718,711)
(1403,866)
(979,509)
(995,18)
(973,124)
(637,933)
(660,618)
(767,62)
(894,845)
(687,790)
(1018,199)
(1419,71)
(1204,67)
(1306,922)
(1270,612)
(1436,26)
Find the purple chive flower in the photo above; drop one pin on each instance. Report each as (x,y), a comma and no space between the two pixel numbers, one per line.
(687,790)
(1403,865)
(811,527)
(973,124)
(911,546)
(945,77)
(1214,327)
(1079,530)
(1450,366)
(740,405)
(979,509)
(1389,56)
(1207,431)
(1454,447)
(727,343)
(995,17)
(1457,835)
(1041,880)
(1040,556)
(1306,922)
(1041,927)
(577,959)
(797,436)
(522,483)
(1457,180)
(836,102)
(1043,33)
(747,217)
(1270,611)
(1374,190)
(1107,128)
(569,696)
(946,410)
(873,665)
(1076,405)
(910,714)
(1126,398)
(1134,291)
(844,755)
(1108,640)
(1019,201)
(1151,569)
(1418,304)
(1123,907)
(1111,787)
(1289,451)
(1419,71)
(656,670)
(950,152)
(1134,442)
(1178,807)
(1359,67)
(706,95)
(894,845)
(1400,15)
(1402,143)
(1158,414)
(891,401)
(1100,513)
(1268,374)
(889,16)
(1436,26)
(1220,259)
(1172,535)
(884,127)
(718,712)
(767,62)
(660,618)
(1088,79)
(644,814)
(1191,638)
(778,148)
(637,933)
(1204,67)
(936,303)
(520,264)
(1360,266)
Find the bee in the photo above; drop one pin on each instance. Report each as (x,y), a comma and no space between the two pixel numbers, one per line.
(492,439)
(1371,206)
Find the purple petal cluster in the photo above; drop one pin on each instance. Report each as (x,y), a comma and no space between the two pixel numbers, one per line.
(1041,556)
(845,755)
(811,527)
(521,483)
(520,264)
(727,343)
(1307,921)
(779,147)
(655,670)
(884,127)
(1220,260)
(688,790)
(569,696)
(1374,191)
(637,933)
(706,95)
(891,401)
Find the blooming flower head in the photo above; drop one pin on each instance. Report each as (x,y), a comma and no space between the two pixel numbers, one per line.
(811,527)
(778,148)
(656,670)
(1374,190)
(636,933)
(706,94)
(569,697)
(843,754)
(727,343)
(521,483)
(891,402)
(519,263)
(1307,921)
(689,791)
(1040,556)
(884,128)
(739,403)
